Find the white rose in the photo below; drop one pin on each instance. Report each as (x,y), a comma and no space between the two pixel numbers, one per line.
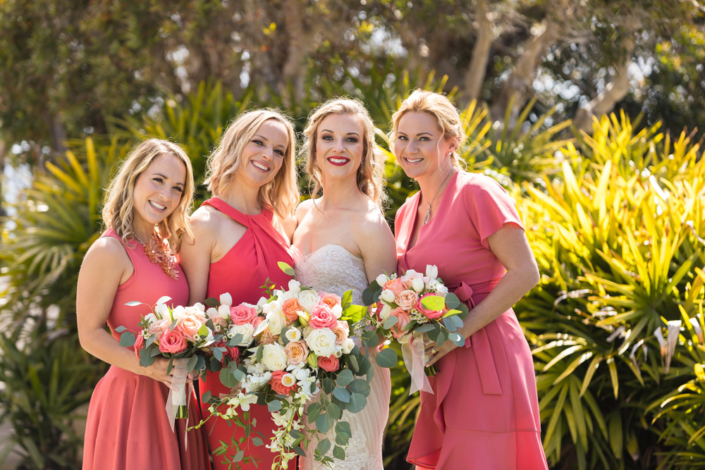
(246,330)
(337,311)
(321,342)
(162,310)
(284,296)
(295,286)
(277,321)
(431,271)
(226,299)
(308,299)
(382,279)
(417,284)
(441,289)
(293,334)
(212,313)
(274,357)
(178,313)
(386,310)
(387,295)
(410,274)
(348,346)
(150,318)
(262,301)
(224,312)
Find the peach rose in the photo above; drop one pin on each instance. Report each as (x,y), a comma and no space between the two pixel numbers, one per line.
(189,326)
(328,364)
(406,299)
(430,314)
(290,307)
(331,300)
(172,342)
(266,337)
(341,330)
(242,314)
(159,327)
(395,285)
(322,317)
(277,385)
(296,352)
(139,344)
(404,319)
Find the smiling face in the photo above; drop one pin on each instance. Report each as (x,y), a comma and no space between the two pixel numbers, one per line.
(420,147)
(263,155)
(339,145)
(157,192)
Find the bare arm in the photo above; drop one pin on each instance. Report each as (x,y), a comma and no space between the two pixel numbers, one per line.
(512,249)
(95,294)
(195,254)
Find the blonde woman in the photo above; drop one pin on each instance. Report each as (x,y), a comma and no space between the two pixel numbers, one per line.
(146,205)
(342,242)
(484,411)
(240,236)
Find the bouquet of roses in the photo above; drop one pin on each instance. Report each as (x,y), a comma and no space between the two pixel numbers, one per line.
(302,345)
(409,307)
(194,339)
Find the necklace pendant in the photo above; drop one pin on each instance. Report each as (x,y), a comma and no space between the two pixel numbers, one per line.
(427,217)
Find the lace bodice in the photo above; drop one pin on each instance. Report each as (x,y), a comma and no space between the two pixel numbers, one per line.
(334,270)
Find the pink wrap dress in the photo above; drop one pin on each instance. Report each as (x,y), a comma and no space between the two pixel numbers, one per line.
(127,426)
(241,273)
(484,412)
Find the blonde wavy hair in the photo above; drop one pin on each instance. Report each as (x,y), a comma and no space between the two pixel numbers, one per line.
(118,208)
(438,106)
(281,194)
(370,175)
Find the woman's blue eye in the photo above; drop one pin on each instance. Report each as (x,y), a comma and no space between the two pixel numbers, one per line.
(327,137)
(178,189)
(279,152)
(258,142)
(352,139)
(424,138)
(402,137)
(158,180)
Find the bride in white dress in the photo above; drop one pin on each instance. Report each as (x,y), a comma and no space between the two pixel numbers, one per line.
(341,242)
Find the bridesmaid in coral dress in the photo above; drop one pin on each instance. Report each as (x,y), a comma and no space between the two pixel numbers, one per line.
(240,236)
(127,426)
(483,413)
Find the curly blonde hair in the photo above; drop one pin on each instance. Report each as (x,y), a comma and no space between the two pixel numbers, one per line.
(118,208)
(281,194)
(438,106)
(370,175)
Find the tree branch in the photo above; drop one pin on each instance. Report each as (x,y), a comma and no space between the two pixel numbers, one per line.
(475,75)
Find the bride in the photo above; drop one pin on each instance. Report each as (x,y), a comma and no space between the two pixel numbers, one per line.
(343,241)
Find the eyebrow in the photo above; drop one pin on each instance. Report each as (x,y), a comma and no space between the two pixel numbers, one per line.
(349,133)
(166,178)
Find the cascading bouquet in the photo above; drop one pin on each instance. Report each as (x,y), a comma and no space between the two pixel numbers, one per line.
(194,339)
(303,345)
(409,307)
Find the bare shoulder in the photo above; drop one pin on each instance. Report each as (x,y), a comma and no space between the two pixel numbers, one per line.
(205,222)
(370,222)
(106,251)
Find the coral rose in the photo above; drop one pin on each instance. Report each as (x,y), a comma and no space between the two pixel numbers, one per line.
(395,285)
(242,314)
(328,364)
(404,319)
(172,342)
(331,300)
(322,317)
(290,307)
(139,344)
(189,326)
(296,352)
(277,385)
(430,314)
(406,299)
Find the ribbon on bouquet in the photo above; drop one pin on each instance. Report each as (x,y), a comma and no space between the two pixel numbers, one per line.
(177,401)
(413,353)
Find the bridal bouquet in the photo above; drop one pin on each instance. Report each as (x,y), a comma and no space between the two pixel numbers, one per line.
(408,307)
(303,345)
(196,339)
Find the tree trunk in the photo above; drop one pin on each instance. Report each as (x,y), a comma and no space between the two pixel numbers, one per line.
(475,75)
(299,43)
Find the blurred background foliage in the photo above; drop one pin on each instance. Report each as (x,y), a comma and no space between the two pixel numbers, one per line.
(584,112)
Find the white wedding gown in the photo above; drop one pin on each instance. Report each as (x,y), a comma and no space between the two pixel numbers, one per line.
(334,270)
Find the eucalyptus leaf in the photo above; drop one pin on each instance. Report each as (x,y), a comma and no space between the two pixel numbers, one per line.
(387,358)
(313,411)
(341,394)
(120,329)
(127,339)
(357,403)
(170,366)
(274,405)
(206,397)
(360,386)
(323,446)
(452,300)
(218,354)
(339,453)
(324,423)
(146,359)
(239,375)
(449,324)
(216,365)
(211,302)
(370,296)
(352,362)
(134,303)
(425,328)
(235,340)
(442,337)
(227,378)
(390,322)
(457,339)
(192,363)
(240,454)
(260,352)
(345,377)
(299,451)
(327,384)
(257,441)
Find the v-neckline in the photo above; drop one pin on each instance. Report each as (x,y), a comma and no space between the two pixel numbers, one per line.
(416,214)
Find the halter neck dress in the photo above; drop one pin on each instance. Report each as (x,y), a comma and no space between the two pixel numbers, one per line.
(241,273)
(127,426)
(484,413)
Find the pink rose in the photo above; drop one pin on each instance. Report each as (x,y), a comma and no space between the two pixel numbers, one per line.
(256,322)
(172,342)
(242,314)
(139,344)
(395,285)
(322,317)
(430,314)
(278,386)
(331,300)
(406,299)
(328,364)
(189,326)
(159,327)
(341,330)
(296,352)
(404,320)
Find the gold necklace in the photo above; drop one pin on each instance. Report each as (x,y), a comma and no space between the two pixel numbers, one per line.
(427,217)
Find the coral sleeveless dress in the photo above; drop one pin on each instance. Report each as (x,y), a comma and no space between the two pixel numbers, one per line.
(241,273)
(484,412)
(127,426)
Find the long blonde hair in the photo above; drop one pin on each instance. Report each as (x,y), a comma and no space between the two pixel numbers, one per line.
(281,194)
(118,209)
(370,175)
(438,106)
